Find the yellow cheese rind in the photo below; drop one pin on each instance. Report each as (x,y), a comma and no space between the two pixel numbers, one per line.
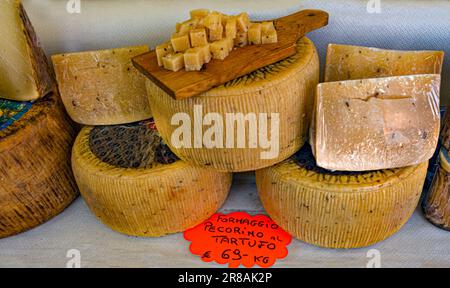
(35,174)
(345,62)
(340,211)
(102,87)
(379,123)
(26,73)
(147,202)
(286,88)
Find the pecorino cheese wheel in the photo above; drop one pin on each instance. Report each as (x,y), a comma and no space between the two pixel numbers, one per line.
(135,185)
(282,92)
(35,173)
(436,205)
(339,209)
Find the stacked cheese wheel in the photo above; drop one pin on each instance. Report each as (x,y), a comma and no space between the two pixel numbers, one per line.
(126,174)
(377,136)
(281,93)
(35,137)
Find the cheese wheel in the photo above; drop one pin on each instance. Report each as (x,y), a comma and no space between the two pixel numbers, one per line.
(445,133)
(436,204)
(346,62)
(284,89)
(26,73)
(378,123)
(136,186)
(35,173)
(339,209)
(102,87)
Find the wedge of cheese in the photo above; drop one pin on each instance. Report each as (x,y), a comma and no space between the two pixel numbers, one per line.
(24,69)
(345,62)
(339,209)
(436,204)
(35,174)
(377,123)
(102,87)
(134,184)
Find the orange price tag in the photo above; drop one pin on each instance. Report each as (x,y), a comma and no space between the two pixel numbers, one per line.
(239,239)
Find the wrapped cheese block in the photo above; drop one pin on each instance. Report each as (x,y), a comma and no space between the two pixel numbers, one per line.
(35,174)
(345,62)
(378,123)
(281,94)
(24,69)
(339,209)
(134,184)
(102,87)
(436,204)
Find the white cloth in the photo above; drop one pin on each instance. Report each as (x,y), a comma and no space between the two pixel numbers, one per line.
(402,24)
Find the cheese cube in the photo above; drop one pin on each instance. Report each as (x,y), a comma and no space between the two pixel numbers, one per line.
(220,49)
(180,43)
(174,62)
(378,123)
(199,13)
(241,39)
(231,28)
(206,52)
(269,37)
(194,59)
(187,26)
(267,26)
(216,33)
(243,21)
(162,50)
(254,34)
(211,21)
(198,37)
(230,42)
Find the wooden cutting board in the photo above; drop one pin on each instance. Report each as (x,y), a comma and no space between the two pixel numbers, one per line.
(241,61)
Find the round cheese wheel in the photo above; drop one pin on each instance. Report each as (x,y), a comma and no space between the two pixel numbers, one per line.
(436,204)
(285,88)
(339,209)
(135,185)
(35,173)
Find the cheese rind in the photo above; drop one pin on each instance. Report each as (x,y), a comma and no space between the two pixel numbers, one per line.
(378,123)
(147,202)
(339,210)
(36,178)
(345,62)
(102,87)
(25,70)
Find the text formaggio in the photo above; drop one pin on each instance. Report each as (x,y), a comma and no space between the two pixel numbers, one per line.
(237,130)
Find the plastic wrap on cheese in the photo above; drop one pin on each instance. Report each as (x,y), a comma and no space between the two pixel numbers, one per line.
(346,62)
(377,123)
(103,87)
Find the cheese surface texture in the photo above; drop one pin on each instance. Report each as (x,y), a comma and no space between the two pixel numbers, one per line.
(24,70)
(436,204)
(102,87)
(377,123)
(35,174)
(345,62)
(136,186)
(285,88)
(339,209)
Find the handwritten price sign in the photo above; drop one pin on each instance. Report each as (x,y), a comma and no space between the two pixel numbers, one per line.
(239,238)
